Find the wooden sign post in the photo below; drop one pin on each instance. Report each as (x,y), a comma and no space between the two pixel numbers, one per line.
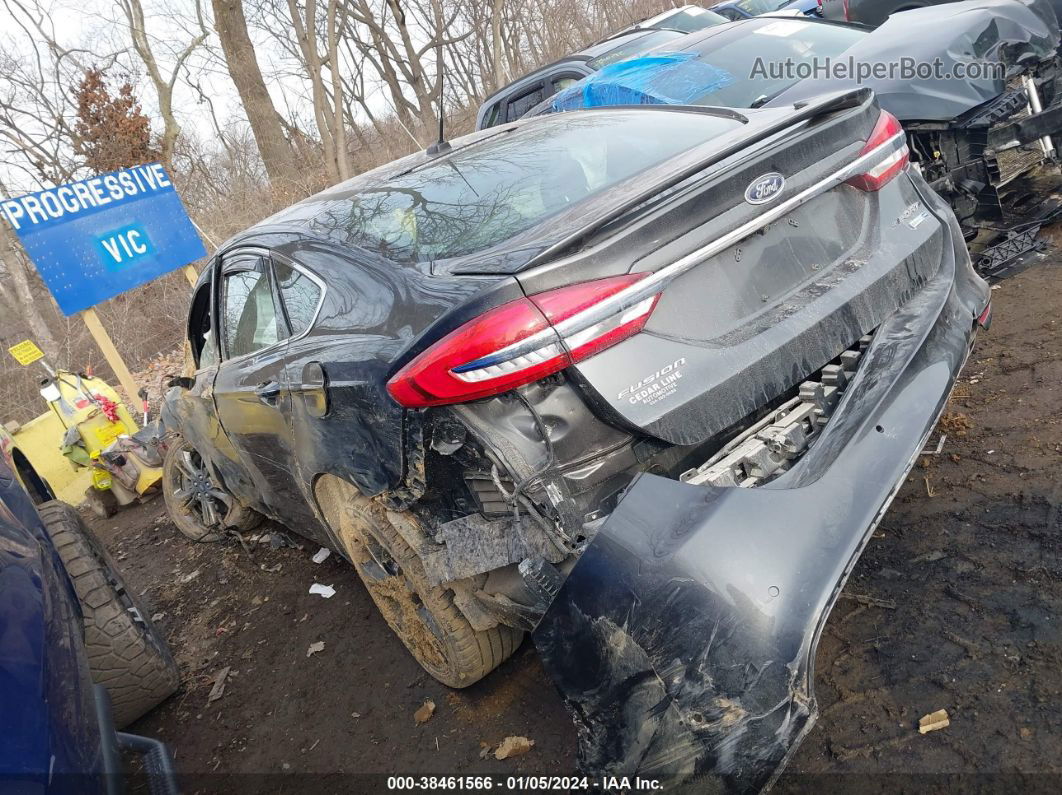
(110,353)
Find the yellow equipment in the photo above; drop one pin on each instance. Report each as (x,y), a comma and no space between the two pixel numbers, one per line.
(101,434)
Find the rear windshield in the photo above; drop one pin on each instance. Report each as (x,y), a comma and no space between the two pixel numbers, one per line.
(480,196)
(772,41)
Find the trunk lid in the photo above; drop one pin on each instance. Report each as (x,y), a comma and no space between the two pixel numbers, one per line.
(745,316)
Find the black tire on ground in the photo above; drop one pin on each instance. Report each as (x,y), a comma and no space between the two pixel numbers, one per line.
(38,488)
(424,617)
(199,506)
(126,653)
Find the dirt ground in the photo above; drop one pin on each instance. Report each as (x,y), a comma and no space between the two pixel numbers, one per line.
(956,605)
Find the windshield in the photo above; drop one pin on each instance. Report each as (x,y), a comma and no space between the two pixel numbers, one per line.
(757,7)
(770,44)
(487,193)
(688,20)
(633,45)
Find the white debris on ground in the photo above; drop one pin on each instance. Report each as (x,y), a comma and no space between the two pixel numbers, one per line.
(218,690)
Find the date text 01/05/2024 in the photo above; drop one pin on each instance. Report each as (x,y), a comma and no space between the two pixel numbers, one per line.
(523,783)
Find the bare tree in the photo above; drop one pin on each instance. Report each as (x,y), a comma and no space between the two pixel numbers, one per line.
(163,83)
(277,154)
(497,8)
(327,100)
(36,106)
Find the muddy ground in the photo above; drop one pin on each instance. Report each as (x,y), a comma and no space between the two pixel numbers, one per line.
(956,605)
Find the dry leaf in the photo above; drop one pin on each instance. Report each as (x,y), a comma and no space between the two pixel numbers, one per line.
(423,715)
(513,746)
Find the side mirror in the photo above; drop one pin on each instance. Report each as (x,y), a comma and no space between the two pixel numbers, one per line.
(182,381)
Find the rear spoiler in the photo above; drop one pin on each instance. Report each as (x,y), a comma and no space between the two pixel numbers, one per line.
(803,111)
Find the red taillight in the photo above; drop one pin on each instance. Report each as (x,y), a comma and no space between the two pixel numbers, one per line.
(522,341)
(893,160)
(984,320)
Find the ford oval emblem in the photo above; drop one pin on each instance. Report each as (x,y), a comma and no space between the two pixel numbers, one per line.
(764,189)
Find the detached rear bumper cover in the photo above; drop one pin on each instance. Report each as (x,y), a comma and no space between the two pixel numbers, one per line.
(684,640)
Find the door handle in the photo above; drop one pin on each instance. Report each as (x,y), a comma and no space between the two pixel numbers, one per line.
(268,392)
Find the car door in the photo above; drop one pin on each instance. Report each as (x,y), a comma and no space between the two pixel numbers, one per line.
(252,402)
(525,98)
(197,414)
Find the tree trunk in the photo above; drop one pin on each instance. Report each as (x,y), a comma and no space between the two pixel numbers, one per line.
(306,36)
(497,43)
(339,135)
(17,267)
(277,155)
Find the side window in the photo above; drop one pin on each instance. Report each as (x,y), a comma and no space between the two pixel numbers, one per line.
(300,295)
(200,335)
(520,105)
(563,82)
(249,317)
(490,118)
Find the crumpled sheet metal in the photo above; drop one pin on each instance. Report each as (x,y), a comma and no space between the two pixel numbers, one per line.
(684,639)
(676,78)
(995,31)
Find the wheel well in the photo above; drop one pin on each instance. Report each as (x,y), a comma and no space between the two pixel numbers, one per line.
(38,487)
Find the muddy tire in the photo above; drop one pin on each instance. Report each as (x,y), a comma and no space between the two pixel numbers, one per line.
(199,506)
(126,654)
(424,617)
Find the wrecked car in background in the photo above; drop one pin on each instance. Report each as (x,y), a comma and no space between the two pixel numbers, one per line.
(644,393)
(735,10)
(874,12)
(983,141)
(512,101)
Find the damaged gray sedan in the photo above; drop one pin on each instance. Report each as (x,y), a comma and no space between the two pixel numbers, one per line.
(641,380)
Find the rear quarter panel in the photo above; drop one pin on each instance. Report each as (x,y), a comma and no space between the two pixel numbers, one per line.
(375,317)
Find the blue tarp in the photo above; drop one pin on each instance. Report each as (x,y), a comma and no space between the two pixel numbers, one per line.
(675,78)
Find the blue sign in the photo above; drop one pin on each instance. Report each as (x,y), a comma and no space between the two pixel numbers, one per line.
(94,239)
